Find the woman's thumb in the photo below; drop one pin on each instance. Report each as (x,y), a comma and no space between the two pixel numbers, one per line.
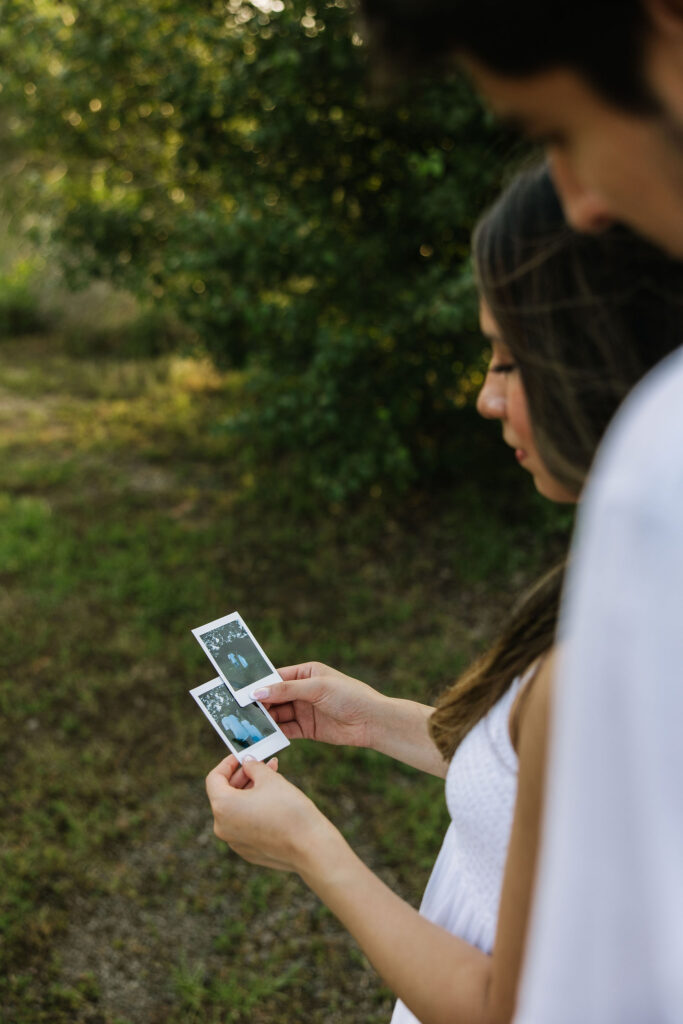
(253,768)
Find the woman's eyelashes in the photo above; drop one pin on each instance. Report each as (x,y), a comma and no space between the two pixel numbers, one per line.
(502,368)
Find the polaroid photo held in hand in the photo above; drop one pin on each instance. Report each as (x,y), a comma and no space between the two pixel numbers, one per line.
(249,730)
(237,657)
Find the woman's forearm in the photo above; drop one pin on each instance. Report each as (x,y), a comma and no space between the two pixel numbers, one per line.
(400,730)
(441,978)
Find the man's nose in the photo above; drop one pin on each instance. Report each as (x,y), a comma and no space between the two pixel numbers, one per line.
(491,400)
(584,209)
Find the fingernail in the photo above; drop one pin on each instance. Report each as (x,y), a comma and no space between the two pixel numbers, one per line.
(249,758)
(261,694)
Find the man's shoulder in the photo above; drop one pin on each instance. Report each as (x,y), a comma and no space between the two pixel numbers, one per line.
(640,461)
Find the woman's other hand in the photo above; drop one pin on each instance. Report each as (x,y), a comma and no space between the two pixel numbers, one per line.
(268,822)
(240,780)
(315,702)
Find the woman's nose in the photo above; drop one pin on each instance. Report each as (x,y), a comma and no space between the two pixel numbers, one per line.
(491,402)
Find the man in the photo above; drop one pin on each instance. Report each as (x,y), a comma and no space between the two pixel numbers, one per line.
(600,83)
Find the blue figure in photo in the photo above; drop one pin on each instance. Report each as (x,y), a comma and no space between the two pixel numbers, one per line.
(253,731)
(237,660)
(241,728)
(231,723)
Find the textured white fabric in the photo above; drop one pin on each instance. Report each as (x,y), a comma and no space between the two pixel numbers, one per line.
(606,944)
(463,892)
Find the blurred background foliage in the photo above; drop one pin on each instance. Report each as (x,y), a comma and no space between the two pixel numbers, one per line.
(276,329)
(231,166)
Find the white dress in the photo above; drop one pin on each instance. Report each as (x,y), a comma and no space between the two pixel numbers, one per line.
(606,943)
(463,892)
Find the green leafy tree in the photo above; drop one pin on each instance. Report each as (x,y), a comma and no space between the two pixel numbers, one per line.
(230,160)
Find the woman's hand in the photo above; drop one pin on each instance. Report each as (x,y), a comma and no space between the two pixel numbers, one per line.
(316,702)
(240,779)
(269,821)
(272,823)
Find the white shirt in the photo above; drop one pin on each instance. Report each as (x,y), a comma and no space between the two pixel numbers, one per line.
(606,942)
(463,892)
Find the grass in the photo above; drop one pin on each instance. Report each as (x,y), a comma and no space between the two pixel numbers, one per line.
(125,520)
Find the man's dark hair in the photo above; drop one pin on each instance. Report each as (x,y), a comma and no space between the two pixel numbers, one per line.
(603,40)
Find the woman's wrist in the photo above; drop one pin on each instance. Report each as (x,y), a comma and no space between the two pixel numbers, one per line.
(319,851)
(381,721)
(400,729)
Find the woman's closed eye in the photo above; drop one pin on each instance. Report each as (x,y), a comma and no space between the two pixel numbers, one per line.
(503,368)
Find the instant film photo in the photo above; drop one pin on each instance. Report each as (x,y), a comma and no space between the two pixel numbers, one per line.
(236,656)
(248,730)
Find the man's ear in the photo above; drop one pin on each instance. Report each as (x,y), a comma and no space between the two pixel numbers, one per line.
(666,16)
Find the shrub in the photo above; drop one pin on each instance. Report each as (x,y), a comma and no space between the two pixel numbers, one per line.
(20,311)
(231,161)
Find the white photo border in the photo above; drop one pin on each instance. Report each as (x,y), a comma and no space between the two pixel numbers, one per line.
(260,750)
(242,694)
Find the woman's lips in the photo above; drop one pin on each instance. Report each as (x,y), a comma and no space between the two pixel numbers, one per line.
(520,454)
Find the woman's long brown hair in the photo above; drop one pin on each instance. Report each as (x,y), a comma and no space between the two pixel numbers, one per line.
(585,318)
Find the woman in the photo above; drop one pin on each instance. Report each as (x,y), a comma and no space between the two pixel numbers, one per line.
(573,323)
